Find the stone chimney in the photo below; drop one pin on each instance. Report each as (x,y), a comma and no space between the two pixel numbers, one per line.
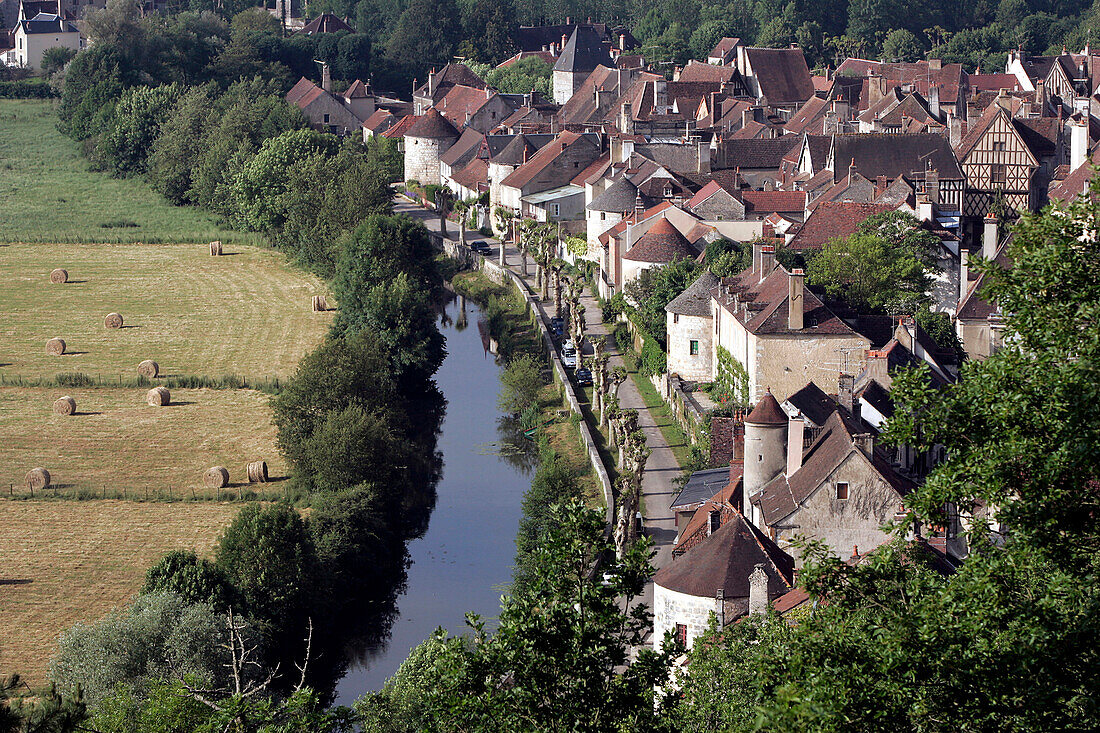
(1078,143)
(795,300)
(878,368)
(622,41)
(934,99)
(935,64)
(767,260)
(865,442)
(758,590)
(954,130)
(876,89)
(796,429)
(326,78)
(846,385)
(989,236)
(964,273)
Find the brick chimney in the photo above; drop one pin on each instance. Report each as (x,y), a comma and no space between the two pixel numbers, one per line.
(796,429)
(795,300)
(989,236)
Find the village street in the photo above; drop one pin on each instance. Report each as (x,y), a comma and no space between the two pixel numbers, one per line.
(662,468)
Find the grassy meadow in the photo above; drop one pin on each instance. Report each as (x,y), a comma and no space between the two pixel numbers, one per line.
(245,313)
(47,193)
(69,562)
(118,445)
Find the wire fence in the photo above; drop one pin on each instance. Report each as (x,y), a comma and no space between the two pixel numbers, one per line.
(263,492)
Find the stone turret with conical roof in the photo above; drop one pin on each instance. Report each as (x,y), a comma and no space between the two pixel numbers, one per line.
(426,141)
(765,447)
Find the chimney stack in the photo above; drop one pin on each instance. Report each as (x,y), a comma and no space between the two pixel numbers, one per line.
(758,590)
(964,273)
(796,429)
(865,442)
(989,236)
(767,260)
(845,391)
(796,301)
(622,41)
(326,78)
(934,99)
(1078,143)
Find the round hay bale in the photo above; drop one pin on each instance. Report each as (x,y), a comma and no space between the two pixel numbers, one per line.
(158,397)
(257,472)
(64,405)
(149,369)
(59,276)
(216,477)
(38,479)
(215,249)
(319,304)
(113,320)
(55,347)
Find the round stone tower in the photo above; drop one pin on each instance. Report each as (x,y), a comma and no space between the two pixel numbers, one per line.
(426,141)
(765,449)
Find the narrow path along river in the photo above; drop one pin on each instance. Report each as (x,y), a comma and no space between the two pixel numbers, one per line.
(466,555)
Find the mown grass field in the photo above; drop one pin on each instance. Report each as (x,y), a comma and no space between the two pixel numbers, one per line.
(246,313)
(47,193)
(118,445)
(67,562)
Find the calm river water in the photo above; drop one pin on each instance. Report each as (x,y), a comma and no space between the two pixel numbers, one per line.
(460,563)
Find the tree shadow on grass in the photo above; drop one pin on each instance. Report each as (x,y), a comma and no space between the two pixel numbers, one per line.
(15,581)
(179,403)
(86,412)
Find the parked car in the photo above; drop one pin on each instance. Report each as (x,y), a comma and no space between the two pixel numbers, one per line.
(557,326)
(569,358)
(584,377)
(568,345)
(480,246)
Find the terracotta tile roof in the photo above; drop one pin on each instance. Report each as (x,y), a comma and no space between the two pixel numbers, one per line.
(596,168)
(698,527)
(1077,182)
(782,74)
(465,148)
(763,308)
(399,129)
(357,90)
(993,82)
(767,412)
(723,48)
(474,176)
(784,494)
(461,101)
(950,78)
(810,117)
(380,119)
(662,243)
(433,126)
(545,156)
(778,201)
(451,74)
(698,71)
(304,93)
(833,219)
(725,560)
(790,601)
(648,214)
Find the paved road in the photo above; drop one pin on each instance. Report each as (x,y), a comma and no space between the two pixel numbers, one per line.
(662,468)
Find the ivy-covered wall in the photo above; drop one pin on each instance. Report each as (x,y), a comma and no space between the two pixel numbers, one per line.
(731,383)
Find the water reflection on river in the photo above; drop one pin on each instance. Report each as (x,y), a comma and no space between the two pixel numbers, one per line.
(466,554)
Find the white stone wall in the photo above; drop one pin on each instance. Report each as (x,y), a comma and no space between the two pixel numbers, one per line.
(422,159)
(682,330)
(671,608)
(30,48)
(598,222)
(563,86)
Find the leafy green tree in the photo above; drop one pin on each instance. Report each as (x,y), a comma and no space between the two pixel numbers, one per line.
(165,708)
(554,484)
(54,59)
(253,20)
(192,578)
(655,288)
(404,320)
(135,125)
(524,76)
(353,53)
(40,711)
(180,142)
(426,33)
(403,703)
(901,45)
(489,27)
(335,455)
(558,660)
(156,637)
(520,384)
(268,555)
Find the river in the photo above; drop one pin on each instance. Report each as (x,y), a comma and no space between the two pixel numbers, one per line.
(466,555)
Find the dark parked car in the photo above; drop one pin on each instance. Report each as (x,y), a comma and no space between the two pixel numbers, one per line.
(557,326)
(480,246)
(584,377)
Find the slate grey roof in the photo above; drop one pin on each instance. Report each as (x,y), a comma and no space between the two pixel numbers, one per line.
(695,301)
(513,152)
(893,155)
(583,52)
(812,402)
(620,197)
(702,485)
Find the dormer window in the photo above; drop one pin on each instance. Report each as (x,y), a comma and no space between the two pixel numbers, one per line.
(714,521)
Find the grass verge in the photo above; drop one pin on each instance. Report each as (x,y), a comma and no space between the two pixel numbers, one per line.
(662,415)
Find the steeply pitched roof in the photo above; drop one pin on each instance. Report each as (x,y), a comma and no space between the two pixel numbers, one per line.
(357,90)
(725,560)
(767,412)
(782,74)
(474,176)
(763,306)
(756,154)
(698,71)
(892,155)
(832,219)
(700,486)
(380,120)
(784,494)
(662,243)
(813,403)
(464,149)
(433,126)
(545,156)
(620,197)
(695,300)
(325,23)
(583,52)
